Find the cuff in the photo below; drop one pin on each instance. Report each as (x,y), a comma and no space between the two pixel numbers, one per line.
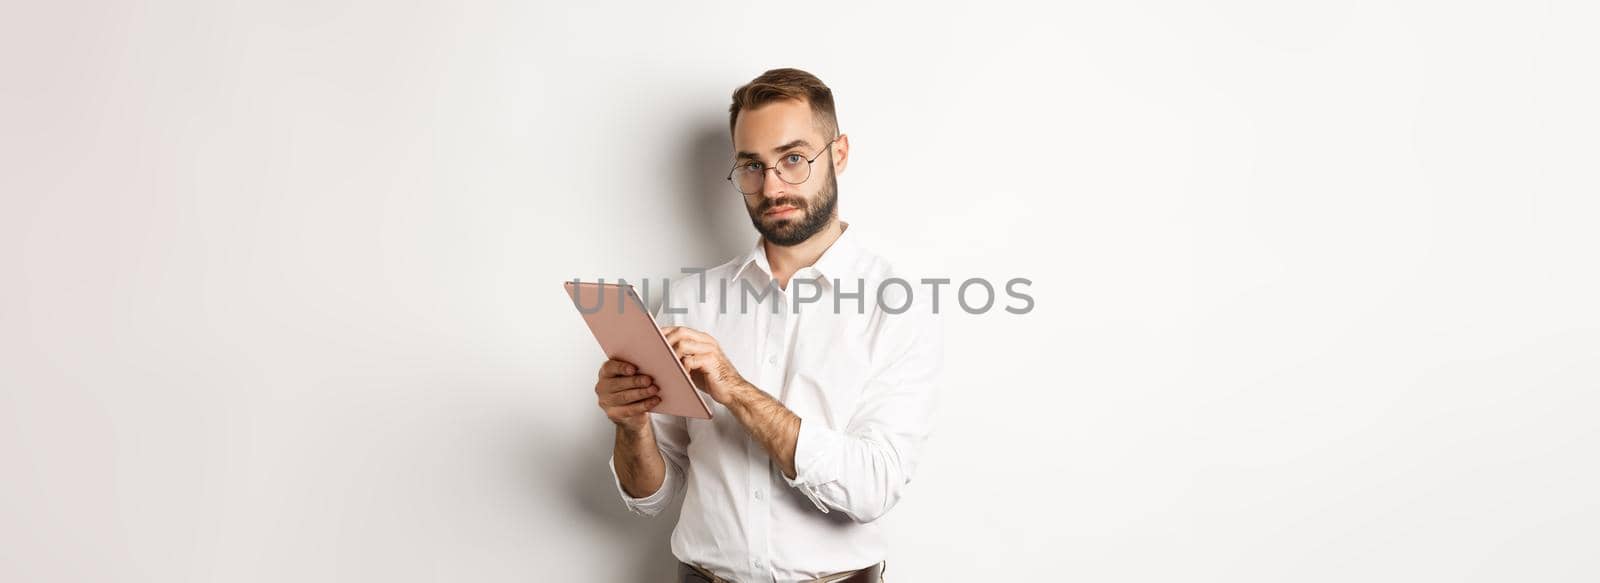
(648,505)
(815,460)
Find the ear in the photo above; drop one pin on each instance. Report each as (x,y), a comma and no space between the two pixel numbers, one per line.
(841,154)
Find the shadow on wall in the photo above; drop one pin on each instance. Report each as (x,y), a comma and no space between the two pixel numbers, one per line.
(707,217)
(719,225)
(640,546)
(711,222)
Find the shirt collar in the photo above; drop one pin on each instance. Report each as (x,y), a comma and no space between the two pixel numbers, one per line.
(838,261)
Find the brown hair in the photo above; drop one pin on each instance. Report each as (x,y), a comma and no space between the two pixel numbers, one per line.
(786,84)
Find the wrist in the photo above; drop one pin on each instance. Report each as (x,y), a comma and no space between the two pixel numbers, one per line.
(740,394)
(634,431)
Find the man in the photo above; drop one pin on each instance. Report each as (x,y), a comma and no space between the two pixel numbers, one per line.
(822,378)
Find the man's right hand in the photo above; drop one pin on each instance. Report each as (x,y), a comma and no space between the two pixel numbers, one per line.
(626,396)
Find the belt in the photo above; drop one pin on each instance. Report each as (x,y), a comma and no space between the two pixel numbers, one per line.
(690,573)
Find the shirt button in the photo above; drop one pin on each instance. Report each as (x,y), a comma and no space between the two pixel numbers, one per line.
(758,494)
(758,563)
(772,359)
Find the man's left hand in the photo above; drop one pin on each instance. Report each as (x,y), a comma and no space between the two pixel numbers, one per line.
(706,363)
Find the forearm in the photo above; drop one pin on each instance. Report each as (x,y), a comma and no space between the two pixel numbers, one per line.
(769,422)
(639,465)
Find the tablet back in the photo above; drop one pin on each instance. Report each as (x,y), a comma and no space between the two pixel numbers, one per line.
(626,331)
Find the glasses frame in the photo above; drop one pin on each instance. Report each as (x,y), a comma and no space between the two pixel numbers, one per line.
(765,167)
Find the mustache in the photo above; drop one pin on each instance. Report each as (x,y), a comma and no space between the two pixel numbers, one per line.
(775,203)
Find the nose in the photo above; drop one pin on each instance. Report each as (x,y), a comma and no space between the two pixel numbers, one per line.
(772,185)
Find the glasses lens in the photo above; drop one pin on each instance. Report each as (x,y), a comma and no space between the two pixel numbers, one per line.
(747,178)
(794,169)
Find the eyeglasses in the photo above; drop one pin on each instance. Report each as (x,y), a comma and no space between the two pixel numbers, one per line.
(749,176)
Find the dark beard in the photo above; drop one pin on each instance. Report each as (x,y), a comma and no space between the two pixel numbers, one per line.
(791,232)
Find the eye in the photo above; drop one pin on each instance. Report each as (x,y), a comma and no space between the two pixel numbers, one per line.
(751,167)
(793,159)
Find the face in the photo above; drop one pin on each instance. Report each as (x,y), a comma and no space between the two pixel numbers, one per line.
(788,214)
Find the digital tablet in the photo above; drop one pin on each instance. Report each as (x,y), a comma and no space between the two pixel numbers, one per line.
(627,332)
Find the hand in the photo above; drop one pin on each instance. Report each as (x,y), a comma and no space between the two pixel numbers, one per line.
(706,363)
(626,397)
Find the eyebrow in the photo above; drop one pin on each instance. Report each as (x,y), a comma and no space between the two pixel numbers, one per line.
(778,150)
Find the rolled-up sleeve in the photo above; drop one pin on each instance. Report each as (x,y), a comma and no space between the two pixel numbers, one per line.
(863,470)
(672,439)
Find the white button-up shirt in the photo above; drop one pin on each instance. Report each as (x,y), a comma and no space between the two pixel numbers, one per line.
(860,373)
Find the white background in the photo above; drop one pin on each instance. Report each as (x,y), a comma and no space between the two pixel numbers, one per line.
(1315,281)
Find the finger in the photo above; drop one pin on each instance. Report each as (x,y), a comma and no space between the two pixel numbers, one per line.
(680,333)
(686,332)
(689,346)
(634,408)
(614,384)
(616,368)
(705,364)
(695,361)
(632,395)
